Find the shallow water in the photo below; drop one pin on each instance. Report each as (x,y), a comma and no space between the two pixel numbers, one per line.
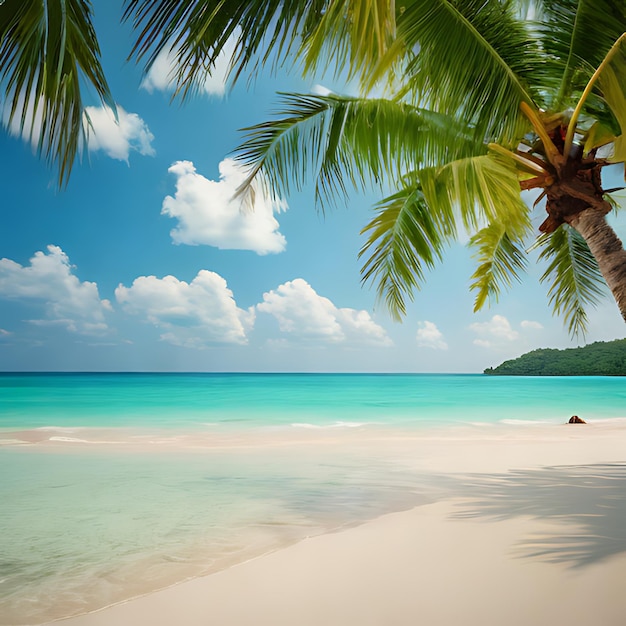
(83,529)
(262,400)
(116,485)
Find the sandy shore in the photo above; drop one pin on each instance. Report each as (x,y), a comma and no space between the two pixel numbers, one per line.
(416,567)
(532,532)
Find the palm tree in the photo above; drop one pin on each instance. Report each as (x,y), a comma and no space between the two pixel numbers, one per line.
(482,99)
(481,103)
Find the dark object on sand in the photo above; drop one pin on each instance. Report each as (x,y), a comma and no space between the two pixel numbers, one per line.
(576,420)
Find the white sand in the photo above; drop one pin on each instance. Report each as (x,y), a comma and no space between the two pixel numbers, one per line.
(532,546)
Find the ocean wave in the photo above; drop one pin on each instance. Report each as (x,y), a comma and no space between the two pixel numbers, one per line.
(607,420)
(518,422)
(333,425)
(68,439)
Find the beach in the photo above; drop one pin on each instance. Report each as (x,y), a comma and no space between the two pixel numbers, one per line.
(527,528)
(313,500)
(421,566)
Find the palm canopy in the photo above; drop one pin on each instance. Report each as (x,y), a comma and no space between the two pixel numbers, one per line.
(481,99)
(353,34)
(480,103)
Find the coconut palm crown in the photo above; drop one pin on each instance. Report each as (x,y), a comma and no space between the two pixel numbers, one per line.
(480,100)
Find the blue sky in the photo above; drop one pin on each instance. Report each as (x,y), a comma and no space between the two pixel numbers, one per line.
(144,263)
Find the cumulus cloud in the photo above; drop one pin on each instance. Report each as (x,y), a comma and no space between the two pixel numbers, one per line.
(494,333)
(320,90)
(117,138)
(162,74)
(194,315)
(208,213)
(69,302)
(531,325)
(32,120)
(303,313)
(429,336)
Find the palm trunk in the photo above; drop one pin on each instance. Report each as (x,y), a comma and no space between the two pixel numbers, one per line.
(608,250)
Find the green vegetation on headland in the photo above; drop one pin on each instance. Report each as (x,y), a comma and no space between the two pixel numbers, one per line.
(597,359)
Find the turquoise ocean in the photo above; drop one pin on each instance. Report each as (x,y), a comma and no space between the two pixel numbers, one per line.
(114,485)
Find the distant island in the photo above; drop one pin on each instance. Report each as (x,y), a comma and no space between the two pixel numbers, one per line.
(602,358)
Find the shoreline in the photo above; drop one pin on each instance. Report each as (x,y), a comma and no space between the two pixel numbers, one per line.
(529,530)
(417,566)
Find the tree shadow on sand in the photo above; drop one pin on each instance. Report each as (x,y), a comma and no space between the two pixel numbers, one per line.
(590,501)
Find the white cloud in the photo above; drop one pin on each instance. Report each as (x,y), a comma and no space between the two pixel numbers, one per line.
(429,336)
(530,324)
(32,127)
(32,121)
(162,74)
(208,213)
(194,315)
(49,277)
(301,312)
(495,333)
(117,138)
(320,90)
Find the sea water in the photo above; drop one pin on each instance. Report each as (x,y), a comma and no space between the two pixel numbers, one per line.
(264,400)
(113,485)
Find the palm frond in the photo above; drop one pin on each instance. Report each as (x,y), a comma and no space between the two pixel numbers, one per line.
(341,141)
(500,262)
(612,83)
(404,239)
(199,31)
(46,50)
(323,33)
(609,76)
(352,35)
(575,278)
(599,134)
(576,35)
(475,59)
(479,189)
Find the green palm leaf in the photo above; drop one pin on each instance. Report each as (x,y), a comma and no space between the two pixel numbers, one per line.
(405,238)
(199,31)
(352,35)
(609,77)
(612,83)
(345,33)
(500,261)
(340,141)
(574,275)
(577,34)
(476,59)
(480,189)
(46,50)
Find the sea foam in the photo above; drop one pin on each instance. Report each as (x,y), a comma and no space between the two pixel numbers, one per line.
(340,424)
